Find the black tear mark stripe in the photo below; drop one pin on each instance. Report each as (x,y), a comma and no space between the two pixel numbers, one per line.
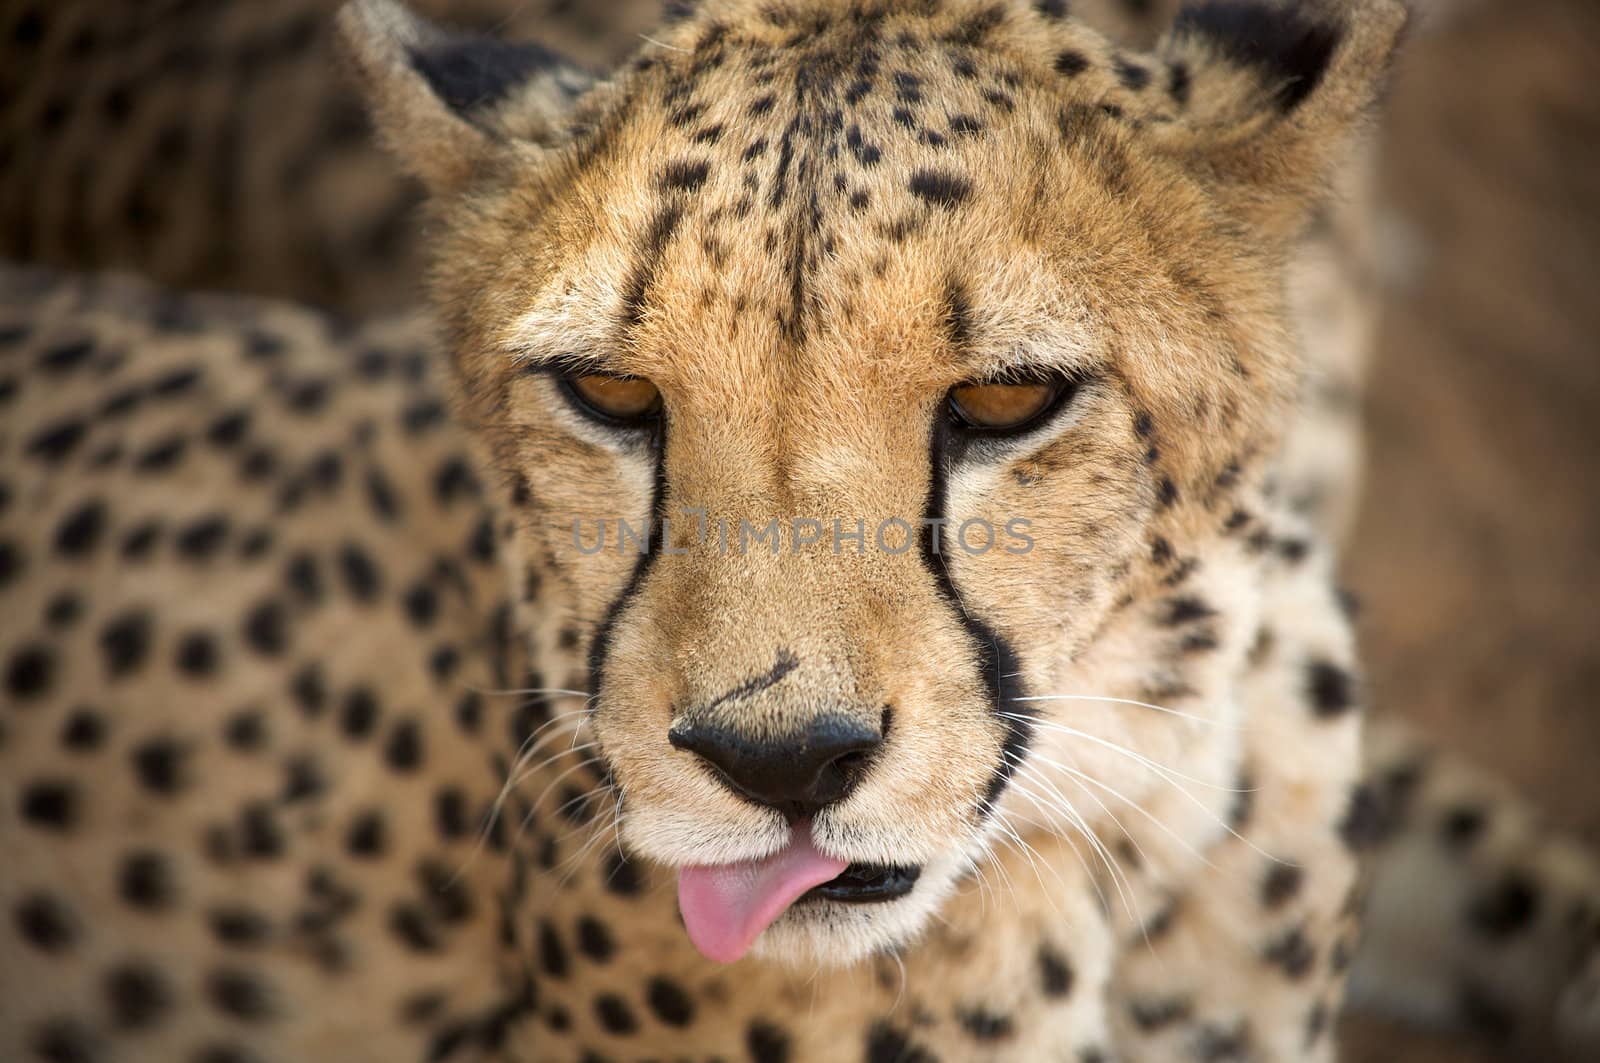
(600,647)
(998,663)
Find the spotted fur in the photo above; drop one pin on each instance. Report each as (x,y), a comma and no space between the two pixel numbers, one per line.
(269,687)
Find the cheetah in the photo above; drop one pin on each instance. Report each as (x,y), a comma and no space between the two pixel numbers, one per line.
(1020,719)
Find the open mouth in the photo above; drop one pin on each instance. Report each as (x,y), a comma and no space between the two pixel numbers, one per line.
(725,907)
(865,884)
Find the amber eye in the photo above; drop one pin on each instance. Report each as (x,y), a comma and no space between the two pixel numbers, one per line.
(627,399)
(1005,406)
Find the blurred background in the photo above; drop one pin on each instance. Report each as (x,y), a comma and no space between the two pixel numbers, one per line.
(212,144)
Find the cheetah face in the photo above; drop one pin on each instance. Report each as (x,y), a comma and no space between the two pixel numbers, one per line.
(863,383)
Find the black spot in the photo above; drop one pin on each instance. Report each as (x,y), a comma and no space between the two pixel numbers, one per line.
(907,87)
(66,1041)
(1166,493)
(174,383)
(307,396)
(30,672)
(122,402)
(229,429)
(1316,1023)
(381,496)
(81,529)
(1244,800)
(309,690)
(1367,819)
(162,455)
(200,540)
(158,763)
(303,578)
(442,663)
(669,1002)
(594,940)
(360,573)
(1463,825)
(255,543)
(1131,74)
(885,1044)
(1071,63)
(45,923)
(10,562)
(1150,1014)
(145,881)
(63,610)
(1280,885)
(1186,610)
(50,804)
(683,176)
(1222,1044)
(985,1025)
(303,778)
(367,837)
(240,994)
(137,995)
(125,642)
(141,540)
(225,1053)
(1330,689)
(403,750)
(1292,952)
(266,628)
(64,357)
(469,712)
(359,713)
(57,441)
(84,731)
(259,833)
(240,927)
(1290,50)
(939,189)
(413,927)
(1511,905)
(615,1015)
(1055,973)
(421,604)
(552,953)
(450,814)
(245,731)
(421,416)
(766,1043)
(622,876)
(197,654)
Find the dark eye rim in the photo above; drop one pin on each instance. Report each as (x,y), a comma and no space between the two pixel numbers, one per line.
(1066,389)
(566,382)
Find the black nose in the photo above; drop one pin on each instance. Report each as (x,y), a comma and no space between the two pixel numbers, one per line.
(796,775)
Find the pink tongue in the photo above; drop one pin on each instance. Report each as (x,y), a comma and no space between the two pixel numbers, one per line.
(727,906)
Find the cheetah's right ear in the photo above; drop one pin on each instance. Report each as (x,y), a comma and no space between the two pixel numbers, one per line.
(444,102)
(1273,94)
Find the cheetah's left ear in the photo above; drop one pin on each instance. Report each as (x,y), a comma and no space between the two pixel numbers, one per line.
(445,102)
(1273,94)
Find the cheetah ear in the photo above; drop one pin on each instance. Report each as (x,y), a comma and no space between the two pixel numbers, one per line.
(1273,95)
(444,102)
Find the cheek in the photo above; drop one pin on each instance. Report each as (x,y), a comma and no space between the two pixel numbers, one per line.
(583,513)
(1067,526)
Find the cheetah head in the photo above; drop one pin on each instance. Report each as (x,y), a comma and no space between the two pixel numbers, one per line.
(878,387)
